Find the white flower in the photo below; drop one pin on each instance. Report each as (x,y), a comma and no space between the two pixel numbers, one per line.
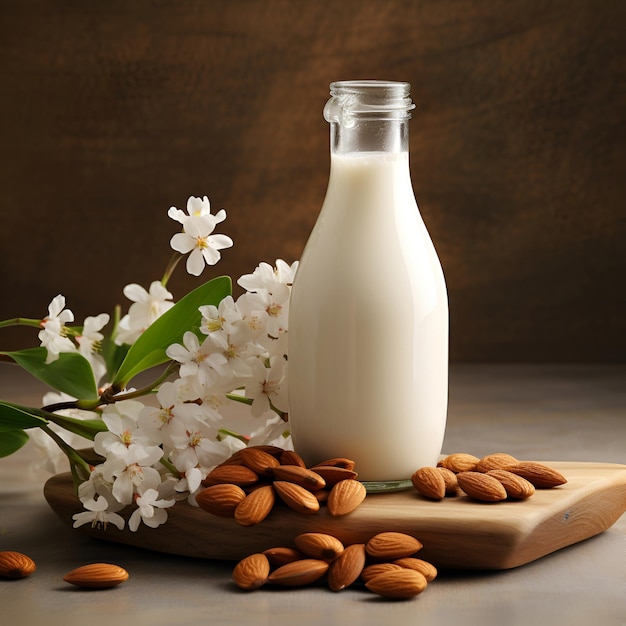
(90,343)
(268,385)
(96,496)
(99,513)
(196,207)
(148,306)
(239,354)
(225,317)
(132,471)
(273,309)
(269,279)
(198,239)
(53,335)
(123,431)
(90,339)
(274,432)
(196,359)
(150,510)
(197,447)
(170,418)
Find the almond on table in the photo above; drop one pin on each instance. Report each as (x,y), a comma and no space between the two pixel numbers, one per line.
(299,573)
(251,572)
(430,482)
(15,564)
(481,486)
(347,567)
(540,475)
(345,496)
(516,487)
(97,576)
(319,546)
(399,584)
(392,545)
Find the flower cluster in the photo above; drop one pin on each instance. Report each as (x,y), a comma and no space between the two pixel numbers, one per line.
(157,443)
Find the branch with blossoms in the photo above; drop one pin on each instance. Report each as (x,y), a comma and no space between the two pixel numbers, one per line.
(157,441)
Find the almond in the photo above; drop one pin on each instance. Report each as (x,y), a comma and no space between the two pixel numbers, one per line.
(481,486)
(300,476)
(319,546)
(371,571)
(297,498)
(289,457)
(221,500)
(233,459)
(347,567)
(332,474)
(405,583)
(275,451)
(429,482)
(499,460)
(428,570)
(345,497)
(515,486)
(340,462)
(260,462)
(540,475)
(255,507)
(459,462)
(392,545)
(282,556)
(449,478)
(231,474)
(15,565)
(251,572)
(299,573)
(97,576)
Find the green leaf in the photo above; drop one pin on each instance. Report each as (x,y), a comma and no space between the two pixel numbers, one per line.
(85,428)
(14,416)
(11,441)
(71,373)
(112,353)
(149,349)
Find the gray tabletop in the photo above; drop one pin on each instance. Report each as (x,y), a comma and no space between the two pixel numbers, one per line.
(558,413)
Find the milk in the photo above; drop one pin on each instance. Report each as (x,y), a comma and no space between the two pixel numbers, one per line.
(368,327)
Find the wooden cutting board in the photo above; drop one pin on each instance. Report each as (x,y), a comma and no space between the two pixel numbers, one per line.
(456,532)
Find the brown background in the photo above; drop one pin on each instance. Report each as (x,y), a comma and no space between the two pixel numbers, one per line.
(110,112)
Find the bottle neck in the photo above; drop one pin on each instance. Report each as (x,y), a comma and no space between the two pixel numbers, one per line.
(370,135)
(369,116)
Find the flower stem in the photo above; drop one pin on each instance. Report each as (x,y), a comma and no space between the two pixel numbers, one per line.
(231,433)
(20,321)
(239,398)
(110,398)
(80,468)
(171,266)
(169,466)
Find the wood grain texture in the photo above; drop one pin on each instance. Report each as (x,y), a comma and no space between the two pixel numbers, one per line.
(110,112)
(456,532)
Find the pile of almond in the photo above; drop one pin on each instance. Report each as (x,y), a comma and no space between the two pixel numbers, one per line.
(493,478)
(386,565)
(248,484)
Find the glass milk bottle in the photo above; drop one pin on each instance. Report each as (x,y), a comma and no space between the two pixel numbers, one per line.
(368,321)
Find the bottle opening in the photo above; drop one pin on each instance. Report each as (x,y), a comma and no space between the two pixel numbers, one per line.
(371,99)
